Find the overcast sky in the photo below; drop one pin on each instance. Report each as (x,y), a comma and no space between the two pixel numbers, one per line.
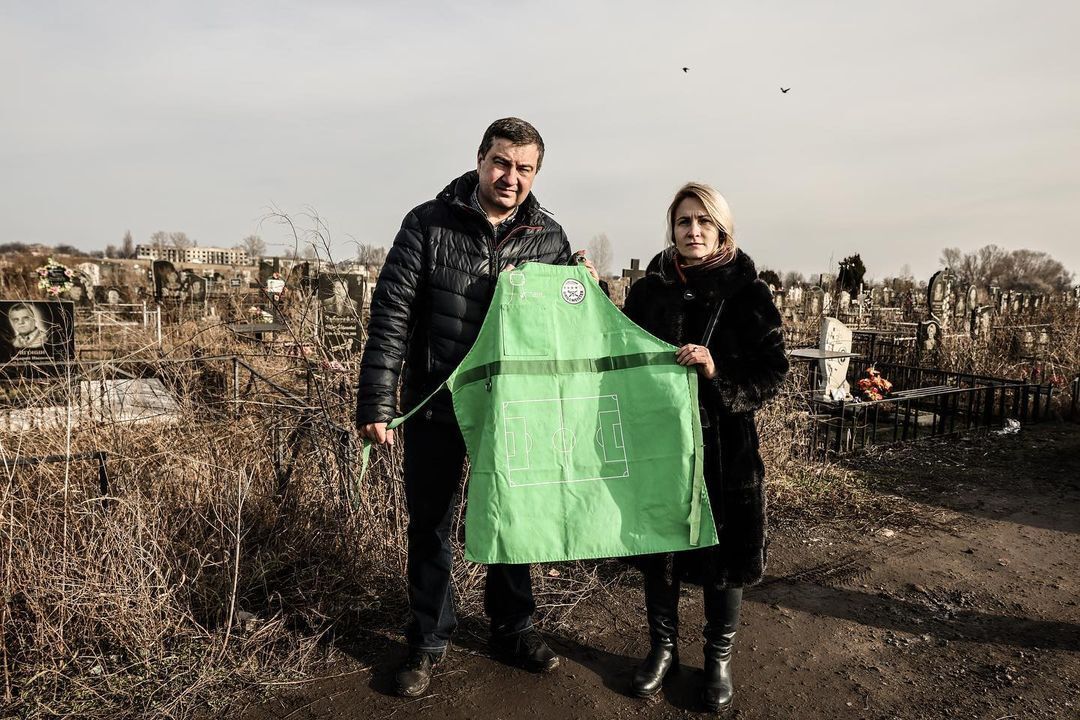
(909,126)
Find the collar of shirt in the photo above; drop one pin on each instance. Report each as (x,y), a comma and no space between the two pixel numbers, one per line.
(501,228)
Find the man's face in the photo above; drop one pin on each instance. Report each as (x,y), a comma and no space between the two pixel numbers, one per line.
(22,321)
(506,173)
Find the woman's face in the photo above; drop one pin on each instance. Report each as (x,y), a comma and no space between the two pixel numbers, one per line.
(696,235)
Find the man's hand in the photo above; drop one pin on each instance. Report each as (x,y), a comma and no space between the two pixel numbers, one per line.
(588,265)
(697,355)
(377,433)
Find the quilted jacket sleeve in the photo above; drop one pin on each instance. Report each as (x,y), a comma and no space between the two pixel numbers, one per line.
(752,373)
(392,306)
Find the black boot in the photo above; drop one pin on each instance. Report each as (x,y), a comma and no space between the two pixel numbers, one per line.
(414,675)
(721,622)
(662,611)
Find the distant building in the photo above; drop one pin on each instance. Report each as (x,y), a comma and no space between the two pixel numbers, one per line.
(196,254)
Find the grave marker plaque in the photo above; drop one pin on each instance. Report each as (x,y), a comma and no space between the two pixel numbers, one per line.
(35,331)
(341,300)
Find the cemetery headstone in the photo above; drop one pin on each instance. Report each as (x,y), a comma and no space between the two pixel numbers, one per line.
(341,301)
(34,331)
(939,296)
(92,272)
(168,285)
(982,322)
(928,335)
(634,272)
(832,374)
(960,307)
(814,302)
(795,296)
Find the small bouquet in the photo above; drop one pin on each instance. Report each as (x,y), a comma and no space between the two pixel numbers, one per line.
(874,386)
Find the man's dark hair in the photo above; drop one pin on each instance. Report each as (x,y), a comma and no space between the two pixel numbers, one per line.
(517,131)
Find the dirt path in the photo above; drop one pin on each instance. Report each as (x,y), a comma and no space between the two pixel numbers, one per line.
(968,609)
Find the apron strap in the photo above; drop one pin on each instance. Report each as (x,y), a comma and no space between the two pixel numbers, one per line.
(698,491)
(365,452)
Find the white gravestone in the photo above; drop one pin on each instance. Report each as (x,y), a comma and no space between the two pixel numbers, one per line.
(92,271)
(835,336)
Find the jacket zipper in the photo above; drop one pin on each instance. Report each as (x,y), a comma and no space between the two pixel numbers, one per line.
(493,266)
(493,271)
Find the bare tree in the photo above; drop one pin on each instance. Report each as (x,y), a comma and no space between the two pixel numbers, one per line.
(127,248)
(159,240)
(254,246)
(110,251)
(951,258)
(600,253)
(793,278)
(180,240)
(370,254)
(1027,270)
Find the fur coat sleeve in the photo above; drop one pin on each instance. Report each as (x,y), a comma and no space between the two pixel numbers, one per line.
(748,350)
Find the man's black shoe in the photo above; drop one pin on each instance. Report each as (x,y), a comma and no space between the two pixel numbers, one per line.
(414,676)
(526,649)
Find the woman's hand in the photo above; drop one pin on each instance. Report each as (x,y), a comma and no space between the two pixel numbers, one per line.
(697,355)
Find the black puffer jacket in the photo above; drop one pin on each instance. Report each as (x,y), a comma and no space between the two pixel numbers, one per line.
(434,291)
(748,349)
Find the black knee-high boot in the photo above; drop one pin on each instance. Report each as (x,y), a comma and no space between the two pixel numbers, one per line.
(721,622)
(662,611)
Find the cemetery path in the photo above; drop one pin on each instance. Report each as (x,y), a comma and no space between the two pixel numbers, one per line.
(964,605)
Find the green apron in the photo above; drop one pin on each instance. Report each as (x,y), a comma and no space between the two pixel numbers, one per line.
(583,433)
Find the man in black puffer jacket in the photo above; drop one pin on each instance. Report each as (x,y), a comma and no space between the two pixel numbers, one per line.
(431,298)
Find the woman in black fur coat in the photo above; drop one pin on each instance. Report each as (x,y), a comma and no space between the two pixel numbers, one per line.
(702,294)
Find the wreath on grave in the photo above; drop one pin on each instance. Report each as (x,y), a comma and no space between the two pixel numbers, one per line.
(54,278)
(874,386)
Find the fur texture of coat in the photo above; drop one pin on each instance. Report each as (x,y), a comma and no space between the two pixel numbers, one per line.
(747,346)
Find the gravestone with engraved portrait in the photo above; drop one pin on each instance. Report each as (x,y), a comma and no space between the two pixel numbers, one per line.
(960,307)
(928,335)
(37,333)
(982,323)
(939,294)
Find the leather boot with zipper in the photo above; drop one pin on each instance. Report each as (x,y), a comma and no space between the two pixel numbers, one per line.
(721,622)
(662,612)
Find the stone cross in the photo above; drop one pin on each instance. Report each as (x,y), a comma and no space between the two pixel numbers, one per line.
(634,272)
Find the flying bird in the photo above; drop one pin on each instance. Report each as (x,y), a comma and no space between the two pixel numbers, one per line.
(784,89)
(686,69)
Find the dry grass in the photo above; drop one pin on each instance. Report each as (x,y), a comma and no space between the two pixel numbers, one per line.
(201,573)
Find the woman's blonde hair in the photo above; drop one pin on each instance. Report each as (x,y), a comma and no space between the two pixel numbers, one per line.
(717,208)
